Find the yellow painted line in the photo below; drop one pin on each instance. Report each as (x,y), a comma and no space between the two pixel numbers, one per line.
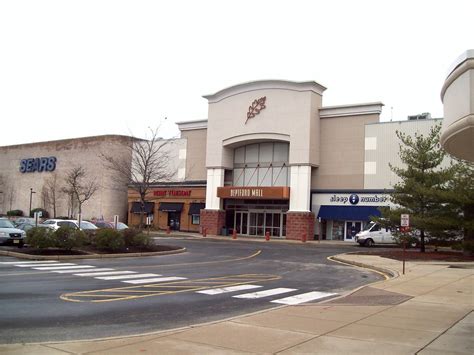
(203,262)
(141,291)
(361,267)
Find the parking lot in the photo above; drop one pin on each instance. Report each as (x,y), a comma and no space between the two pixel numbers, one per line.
(213,280)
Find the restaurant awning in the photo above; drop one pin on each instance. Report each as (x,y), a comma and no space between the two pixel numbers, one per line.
(171,206)
(195,208)
(136,207)
(348,213)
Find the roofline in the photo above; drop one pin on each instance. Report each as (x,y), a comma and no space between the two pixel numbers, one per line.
(368,108)
(192,125)
(103,136)
(405,121)
(265,85)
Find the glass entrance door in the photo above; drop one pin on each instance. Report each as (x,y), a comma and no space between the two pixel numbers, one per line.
(352,228)
(241,222)
(255,223)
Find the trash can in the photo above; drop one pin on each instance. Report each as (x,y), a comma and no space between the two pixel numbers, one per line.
(224,231)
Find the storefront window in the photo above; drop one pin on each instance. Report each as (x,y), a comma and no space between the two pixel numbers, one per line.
(196,219)
(338,230)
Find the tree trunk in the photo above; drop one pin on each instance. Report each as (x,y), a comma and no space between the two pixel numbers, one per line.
(422,241)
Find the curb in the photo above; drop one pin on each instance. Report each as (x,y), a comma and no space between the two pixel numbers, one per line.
(388,272)
(88,256)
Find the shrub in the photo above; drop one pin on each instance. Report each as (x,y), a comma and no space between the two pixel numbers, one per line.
(40,238)
(468,247)
(68,238)
(142,241)
(15,213)
(129,235)
(109,239)
(45,214)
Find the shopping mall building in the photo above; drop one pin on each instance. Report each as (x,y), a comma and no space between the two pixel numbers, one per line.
(270,157)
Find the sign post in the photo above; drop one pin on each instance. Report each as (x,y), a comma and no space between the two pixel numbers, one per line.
(37,216)
(404,224)
(116,220)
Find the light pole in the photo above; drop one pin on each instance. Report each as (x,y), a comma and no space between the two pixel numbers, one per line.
(31,197)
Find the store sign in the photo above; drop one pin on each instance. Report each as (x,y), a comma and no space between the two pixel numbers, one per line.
(355,199)
(172,193)
(32,165)
(281,192)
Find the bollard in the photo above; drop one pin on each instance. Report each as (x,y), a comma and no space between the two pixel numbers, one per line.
(303,239)
(168,230)
(234,233)
(267,236)
(204,232)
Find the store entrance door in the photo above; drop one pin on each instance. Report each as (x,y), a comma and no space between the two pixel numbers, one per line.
(241,222)
(352,228)
(173,220)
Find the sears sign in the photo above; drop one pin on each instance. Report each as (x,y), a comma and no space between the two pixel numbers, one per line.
(37,164)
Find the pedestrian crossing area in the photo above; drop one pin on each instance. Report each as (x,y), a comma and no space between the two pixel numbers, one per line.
(242,291)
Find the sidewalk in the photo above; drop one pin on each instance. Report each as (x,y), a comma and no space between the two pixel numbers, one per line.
(429,310)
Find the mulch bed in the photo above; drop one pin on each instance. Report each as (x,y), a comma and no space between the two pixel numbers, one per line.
(85,250)
(416,255)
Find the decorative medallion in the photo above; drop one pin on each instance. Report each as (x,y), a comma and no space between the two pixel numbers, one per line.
(256,107)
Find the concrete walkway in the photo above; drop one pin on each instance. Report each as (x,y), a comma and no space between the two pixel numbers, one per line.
(429,310)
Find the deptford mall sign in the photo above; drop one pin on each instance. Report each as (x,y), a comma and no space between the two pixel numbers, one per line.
(255,193)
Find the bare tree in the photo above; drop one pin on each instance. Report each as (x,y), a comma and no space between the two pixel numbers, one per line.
(147,163)
(79,186)
(52,190)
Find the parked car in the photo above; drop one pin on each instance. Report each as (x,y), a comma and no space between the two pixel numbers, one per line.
(374,233)
(21,220)
(110,225)
(11,235)
(58,223)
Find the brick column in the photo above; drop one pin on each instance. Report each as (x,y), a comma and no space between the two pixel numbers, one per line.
(213,221)
(299,223)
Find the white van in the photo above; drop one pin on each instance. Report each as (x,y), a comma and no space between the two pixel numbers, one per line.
(374,233)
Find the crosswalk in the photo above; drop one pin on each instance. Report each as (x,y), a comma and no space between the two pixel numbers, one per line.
(136,278)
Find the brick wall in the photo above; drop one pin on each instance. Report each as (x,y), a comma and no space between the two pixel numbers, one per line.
(213,221)
(299,223)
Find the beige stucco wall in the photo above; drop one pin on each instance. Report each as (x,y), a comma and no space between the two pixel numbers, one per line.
(342,152)
(108,201)
(290,115)
(196,154)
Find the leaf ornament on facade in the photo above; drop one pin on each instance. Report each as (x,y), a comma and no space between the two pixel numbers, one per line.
(256,107)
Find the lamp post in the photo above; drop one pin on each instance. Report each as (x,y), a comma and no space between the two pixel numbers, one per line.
(31,197)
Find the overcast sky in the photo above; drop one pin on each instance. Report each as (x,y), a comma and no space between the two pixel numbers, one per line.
(81,68)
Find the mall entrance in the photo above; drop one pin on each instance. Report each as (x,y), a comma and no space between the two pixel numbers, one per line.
(257,217)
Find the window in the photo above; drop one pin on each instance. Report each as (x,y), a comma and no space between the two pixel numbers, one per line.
(261,164)
(196,219)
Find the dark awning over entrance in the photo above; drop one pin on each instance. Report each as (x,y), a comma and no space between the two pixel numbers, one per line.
(171,206)
(195,208)
(136,207)
(348,213)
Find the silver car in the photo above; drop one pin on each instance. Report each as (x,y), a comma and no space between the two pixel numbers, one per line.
(58,223)
(11,235)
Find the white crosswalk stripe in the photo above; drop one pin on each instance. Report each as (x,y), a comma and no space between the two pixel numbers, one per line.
(80,270)
(106,273)
(124,277)
(160,279)
(304,297)
(218,291)
(28,262)
(266,293)
(37,265)
(52,268)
